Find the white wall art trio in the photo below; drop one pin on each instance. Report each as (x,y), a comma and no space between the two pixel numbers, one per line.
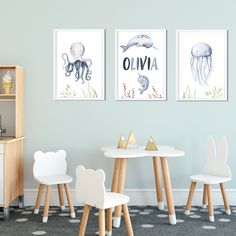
(140,64)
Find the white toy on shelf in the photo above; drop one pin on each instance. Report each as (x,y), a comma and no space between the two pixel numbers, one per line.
(216,171)
(90,191)
(50,169)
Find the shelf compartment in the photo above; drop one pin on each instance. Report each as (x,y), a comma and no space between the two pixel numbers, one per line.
(7,96)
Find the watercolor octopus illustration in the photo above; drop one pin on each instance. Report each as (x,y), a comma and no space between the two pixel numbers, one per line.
(144,82)
(201,62)
(141,40)
(79,64)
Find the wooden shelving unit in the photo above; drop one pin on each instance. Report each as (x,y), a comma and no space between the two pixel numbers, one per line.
(16,95)
(11,148)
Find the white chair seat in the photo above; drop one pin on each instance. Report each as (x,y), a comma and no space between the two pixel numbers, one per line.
(54,179)
(209,179)
(115,199)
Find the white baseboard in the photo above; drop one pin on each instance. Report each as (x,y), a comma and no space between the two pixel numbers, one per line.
(141,197)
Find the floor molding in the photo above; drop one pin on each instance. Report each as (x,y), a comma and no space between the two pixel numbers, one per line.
(141,197)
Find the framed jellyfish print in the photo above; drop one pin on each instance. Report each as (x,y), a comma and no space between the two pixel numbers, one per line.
(201,65)
(140,64)
(79,64)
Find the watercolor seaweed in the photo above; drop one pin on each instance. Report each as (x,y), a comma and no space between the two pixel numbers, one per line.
(128,93)
(189,93)
(89,92)
(215,93)
(67,92)
(154,93)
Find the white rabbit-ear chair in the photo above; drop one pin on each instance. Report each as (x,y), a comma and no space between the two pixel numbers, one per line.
(216,171)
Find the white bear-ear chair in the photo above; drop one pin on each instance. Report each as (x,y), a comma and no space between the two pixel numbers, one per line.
(216,171)
(50,169)
(91,192)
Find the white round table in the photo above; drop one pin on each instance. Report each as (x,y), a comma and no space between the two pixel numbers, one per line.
(118,180)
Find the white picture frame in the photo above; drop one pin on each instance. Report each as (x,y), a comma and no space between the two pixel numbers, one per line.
(146,47)
(79,64)
(201,65)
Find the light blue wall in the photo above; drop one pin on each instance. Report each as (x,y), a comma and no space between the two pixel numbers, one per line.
(83,127)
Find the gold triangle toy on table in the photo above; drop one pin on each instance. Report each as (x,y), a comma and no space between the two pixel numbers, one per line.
(151,145)
(122,142)
(130,143)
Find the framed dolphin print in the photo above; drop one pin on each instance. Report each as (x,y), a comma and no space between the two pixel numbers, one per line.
(79,64)
(141,64)
(201,70)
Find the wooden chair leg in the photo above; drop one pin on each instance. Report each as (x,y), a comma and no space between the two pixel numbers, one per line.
(120,189)
(190,198)
(47,201)
(61,198)
(210,203)
(204,197)
(84,220)
(158,183)
(127,220)
(39,197)
(101,222)
(70,203)
(225,199)
(109,222)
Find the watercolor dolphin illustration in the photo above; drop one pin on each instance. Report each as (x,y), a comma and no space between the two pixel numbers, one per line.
(141,40)
(144,82)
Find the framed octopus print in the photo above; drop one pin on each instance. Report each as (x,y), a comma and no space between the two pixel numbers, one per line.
(79,64)
(201,65)
(141,64)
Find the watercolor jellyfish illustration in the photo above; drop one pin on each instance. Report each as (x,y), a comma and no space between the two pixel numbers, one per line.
(80,64)
(201,62)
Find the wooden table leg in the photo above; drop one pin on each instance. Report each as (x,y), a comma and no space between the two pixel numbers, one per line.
(225,199)
(120,189)
(204,197)
(158,183)
(168,190)
(116,174)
